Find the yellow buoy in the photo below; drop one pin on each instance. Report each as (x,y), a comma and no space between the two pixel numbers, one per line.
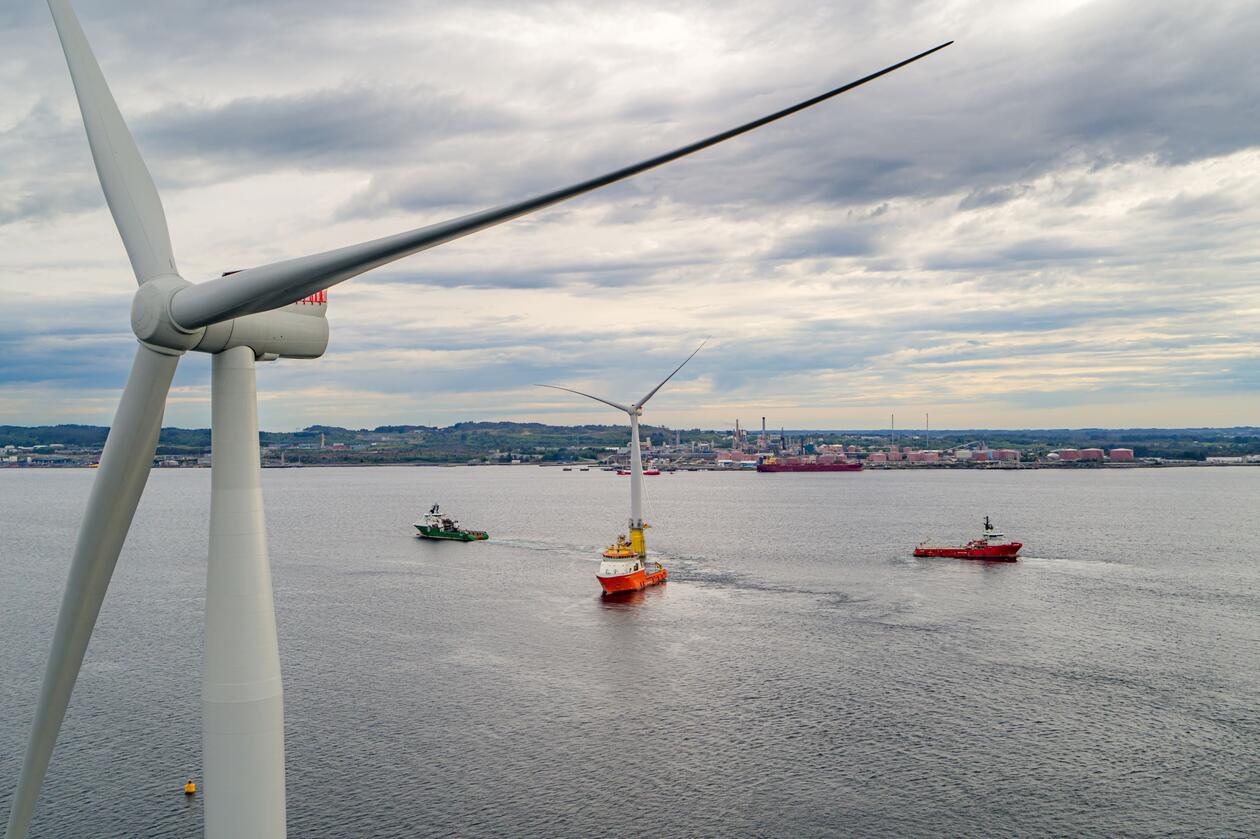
(190,788)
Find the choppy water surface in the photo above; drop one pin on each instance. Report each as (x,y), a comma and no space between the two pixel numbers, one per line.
(801,674)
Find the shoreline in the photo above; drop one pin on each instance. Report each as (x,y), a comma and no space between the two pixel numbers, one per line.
(881,467)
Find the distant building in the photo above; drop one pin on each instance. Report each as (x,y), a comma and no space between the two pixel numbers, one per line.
(1091,454)
(1069,454)
(1006,454)
(1121,455)
(1227,459)
(877,457)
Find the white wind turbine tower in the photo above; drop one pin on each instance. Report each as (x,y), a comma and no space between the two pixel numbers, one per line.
(613,569)
(239,319)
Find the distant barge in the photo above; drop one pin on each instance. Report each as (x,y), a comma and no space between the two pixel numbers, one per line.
(796,464)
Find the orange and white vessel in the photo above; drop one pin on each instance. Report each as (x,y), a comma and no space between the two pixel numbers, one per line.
(625,569)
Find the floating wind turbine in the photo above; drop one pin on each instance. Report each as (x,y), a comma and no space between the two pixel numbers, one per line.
(613,570)
(264,313)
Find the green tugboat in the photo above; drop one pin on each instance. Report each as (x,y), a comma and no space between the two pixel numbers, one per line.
(438,526)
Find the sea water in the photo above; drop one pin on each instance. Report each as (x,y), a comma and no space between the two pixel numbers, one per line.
(800,674)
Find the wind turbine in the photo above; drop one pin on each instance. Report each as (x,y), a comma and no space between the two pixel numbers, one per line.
(626,570)
(264,313)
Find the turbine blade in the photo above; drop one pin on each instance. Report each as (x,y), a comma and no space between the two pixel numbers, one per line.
(653,391)
(616,405)
(124,469)
(128,187)
(281,283)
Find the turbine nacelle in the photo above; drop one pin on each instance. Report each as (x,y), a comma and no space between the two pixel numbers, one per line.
(299,330)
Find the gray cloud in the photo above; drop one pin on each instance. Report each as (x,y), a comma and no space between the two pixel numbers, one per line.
(1056,185)
(340,128)
(992,197)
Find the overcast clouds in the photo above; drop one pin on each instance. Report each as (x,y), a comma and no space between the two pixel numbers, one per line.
(1053,222)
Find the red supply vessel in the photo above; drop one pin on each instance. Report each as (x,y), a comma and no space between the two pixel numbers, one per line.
(991,546)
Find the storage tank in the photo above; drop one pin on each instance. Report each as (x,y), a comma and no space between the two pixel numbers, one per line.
(1121,455)
(1007,454)
(1069,454)
(1091,454)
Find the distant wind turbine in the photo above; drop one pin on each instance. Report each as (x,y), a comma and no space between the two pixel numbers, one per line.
(264,313)
(612,573)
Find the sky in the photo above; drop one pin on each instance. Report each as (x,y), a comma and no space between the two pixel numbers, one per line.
(1051,223)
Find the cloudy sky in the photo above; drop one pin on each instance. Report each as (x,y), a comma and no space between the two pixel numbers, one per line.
(1054,222)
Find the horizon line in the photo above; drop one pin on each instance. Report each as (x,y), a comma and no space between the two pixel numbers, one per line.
(909,431)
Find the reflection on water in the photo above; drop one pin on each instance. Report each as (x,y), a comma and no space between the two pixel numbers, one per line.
(632,599)
(621,600)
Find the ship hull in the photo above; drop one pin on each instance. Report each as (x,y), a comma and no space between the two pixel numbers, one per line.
(634,581)
(809,467)
(451,536)
(992,553)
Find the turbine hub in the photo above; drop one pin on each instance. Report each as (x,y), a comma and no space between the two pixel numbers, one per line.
(151,318)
